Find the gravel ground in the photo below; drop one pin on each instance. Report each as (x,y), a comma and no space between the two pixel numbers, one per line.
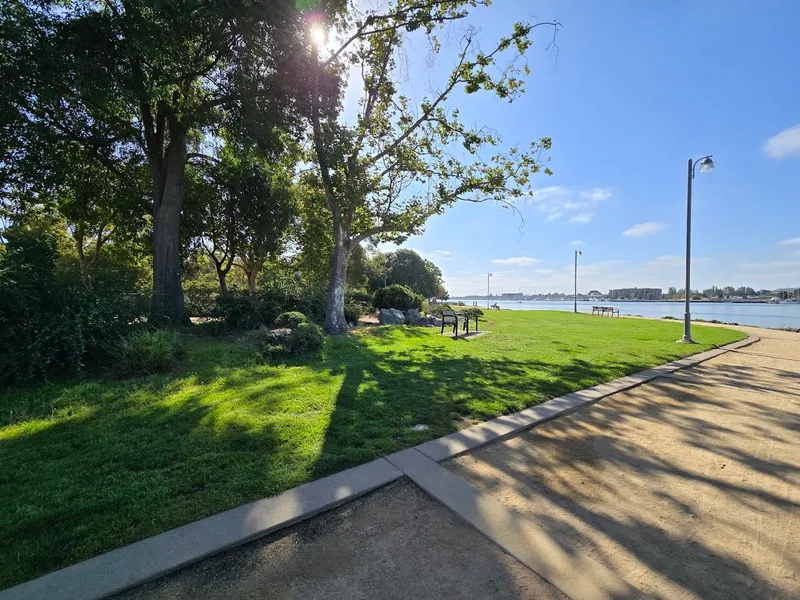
(396,543)
(688,487)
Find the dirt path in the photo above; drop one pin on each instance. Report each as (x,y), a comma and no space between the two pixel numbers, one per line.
(688,487)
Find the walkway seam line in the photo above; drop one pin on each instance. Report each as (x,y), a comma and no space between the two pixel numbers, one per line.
(577,576)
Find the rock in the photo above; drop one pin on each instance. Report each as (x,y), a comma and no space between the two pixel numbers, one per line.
(279,337)
(413,317)
(391,316)
(434,321)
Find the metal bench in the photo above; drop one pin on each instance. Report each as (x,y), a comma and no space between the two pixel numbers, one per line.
(603,310)
(451,317)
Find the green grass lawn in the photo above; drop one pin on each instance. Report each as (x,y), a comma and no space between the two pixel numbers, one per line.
(87,466)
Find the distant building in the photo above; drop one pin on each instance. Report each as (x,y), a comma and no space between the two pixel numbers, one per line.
(635,294)
(594,293)
(512,296)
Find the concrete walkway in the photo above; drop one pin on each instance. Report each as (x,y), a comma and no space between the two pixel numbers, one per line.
(687,486)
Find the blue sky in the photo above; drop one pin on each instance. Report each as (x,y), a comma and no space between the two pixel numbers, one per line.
(635,90)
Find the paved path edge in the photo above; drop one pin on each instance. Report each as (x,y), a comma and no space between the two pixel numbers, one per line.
(135,564)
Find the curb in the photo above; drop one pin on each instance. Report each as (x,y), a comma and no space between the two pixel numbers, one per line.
(133,565)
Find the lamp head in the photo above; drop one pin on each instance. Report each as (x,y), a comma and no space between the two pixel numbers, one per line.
(706,165)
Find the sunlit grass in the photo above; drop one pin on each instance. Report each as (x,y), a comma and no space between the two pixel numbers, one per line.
(87,466)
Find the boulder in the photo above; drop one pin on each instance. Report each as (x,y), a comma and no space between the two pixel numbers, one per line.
(434,321)
(413,317)
(279,337)
(391,316)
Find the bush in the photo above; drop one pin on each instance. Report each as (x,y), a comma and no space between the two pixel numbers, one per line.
(200,297)
(352,312)
(307,339)
(291,319)
(239,310)
(146,352)
(358,296)
(51,322)
(436,309)
(397,296)
(473,311)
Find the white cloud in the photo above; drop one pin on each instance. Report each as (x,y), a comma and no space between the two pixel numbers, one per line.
(517,261)
(440,255)
(783,144)
(544,271)
(541,194)
(577,243)
(790,242)
(585,217)
(557,201)
(643,229)
(667,261)
(596,194)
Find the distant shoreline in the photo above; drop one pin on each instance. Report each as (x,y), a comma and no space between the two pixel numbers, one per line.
(679,300)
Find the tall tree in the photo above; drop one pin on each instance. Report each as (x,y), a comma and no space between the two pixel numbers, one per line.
(397,165)
(245,207)
(157,76)
(408,268)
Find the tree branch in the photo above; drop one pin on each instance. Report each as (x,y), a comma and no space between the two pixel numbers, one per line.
(206,157)
(333,205)
(427,113)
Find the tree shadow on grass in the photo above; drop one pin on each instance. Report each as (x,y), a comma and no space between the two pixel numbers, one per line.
(384,394)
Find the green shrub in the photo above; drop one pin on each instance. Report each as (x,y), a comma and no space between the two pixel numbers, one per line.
(291,319)
(239,310)
(283,293)
(146,352)
(397,296)
(352,312)
(473,311)
(307,339)
(51,322)
(436,309)
(358,296)
(200,297)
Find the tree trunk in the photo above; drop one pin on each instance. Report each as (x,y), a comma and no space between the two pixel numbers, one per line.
(252,274)
(169,188)
(335,321)
(223,284)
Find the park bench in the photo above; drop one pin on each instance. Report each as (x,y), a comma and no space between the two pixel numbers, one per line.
(603,310)
(451,317)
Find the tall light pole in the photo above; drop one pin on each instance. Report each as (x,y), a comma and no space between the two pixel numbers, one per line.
(706,164)
(575,297)
(488,275)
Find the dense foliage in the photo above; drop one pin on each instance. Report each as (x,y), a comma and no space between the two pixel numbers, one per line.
(240,310)
(290,319)
(146,352)
(397,296)
(51,322)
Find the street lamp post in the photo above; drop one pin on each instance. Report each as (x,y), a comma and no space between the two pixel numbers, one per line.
(575,297)
(706,164)
(488,275)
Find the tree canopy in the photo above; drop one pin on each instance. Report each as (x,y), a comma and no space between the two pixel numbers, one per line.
(402,162)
